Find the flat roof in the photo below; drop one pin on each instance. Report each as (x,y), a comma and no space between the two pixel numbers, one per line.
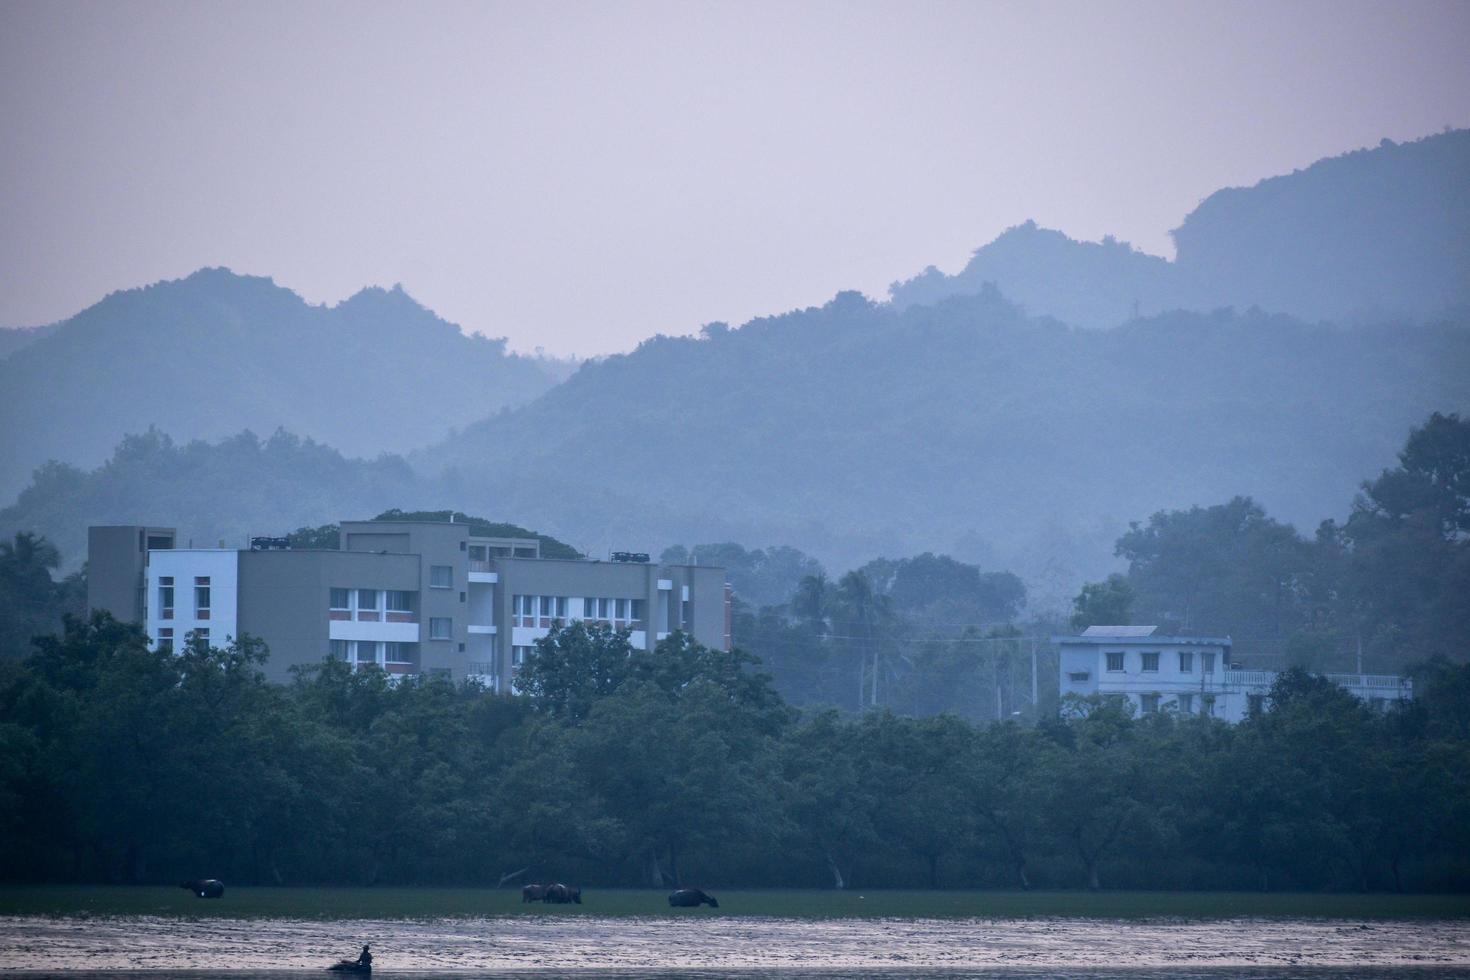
(1119,631)
(1151,639)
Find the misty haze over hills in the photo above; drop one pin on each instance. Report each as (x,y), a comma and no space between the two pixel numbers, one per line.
(215,353)
(1367,236)
(981,421)
(965,428)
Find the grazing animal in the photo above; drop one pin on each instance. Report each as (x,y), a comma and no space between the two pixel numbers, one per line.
(205,887)
(689,898)
(561,894)
(533,893)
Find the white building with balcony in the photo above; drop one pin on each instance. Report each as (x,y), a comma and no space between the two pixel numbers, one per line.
(1189,675)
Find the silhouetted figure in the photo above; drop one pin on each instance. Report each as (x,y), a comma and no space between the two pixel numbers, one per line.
(365,958)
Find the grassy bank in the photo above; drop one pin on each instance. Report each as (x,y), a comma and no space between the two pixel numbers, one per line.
(417,903)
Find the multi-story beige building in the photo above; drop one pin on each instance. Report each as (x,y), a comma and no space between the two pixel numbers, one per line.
(409,597)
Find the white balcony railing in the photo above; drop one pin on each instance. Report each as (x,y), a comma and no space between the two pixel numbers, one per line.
(1377,681)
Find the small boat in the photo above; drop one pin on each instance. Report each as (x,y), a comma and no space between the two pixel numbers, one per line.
(351,966)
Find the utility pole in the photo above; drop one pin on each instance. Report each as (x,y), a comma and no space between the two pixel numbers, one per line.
(1035,707)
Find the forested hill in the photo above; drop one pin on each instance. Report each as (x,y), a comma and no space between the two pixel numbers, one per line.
(215,353)
(230,490)
(963,428)
(13,339)
(1086,284)
(1371,234)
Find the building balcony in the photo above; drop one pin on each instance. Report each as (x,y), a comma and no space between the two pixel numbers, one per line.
(481,630)
(1380,685)
(390,632)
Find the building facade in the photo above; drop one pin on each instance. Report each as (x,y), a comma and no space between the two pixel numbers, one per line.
(408,597)
(1190,675)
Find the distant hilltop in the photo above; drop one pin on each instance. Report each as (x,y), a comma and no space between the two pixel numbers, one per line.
(1374,234)
(972,416)
(214,353)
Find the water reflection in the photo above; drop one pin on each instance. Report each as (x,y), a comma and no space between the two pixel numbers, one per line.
(796,973)
(733,948)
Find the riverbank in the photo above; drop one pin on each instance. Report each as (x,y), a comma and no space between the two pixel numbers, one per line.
(328,904)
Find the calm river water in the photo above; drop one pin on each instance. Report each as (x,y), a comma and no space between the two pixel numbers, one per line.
(731,948)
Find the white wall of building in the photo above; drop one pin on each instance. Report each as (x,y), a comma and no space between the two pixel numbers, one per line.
(185,566)
(1199,682)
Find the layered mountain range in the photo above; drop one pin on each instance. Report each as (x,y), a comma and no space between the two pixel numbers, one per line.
(209,355)
(1305,325)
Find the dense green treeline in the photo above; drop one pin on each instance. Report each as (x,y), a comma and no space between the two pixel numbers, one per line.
(1386,589)
(1389,586)
(620,767)
(894,741)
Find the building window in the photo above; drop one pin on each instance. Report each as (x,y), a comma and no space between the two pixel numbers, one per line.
(341,599)
(1255,703)
(166,597)
(398,653)
(400,606)
(522,610)
(1207,705)
(635,612)
(518,655)
(1207,662)
(1115,661)
(440,627)
(552,607)
(1186,704)
(198,637)
(364,652)
(441,576)
(1186,661)
(1078,676)
(338,650)
(1151,663)
(165,639)
(201,597)
(367,605)
(1149,703)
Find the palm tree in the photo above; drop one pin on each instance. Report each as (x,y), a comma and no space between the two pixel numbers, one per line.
(859,615)
(811,601)
(26,563)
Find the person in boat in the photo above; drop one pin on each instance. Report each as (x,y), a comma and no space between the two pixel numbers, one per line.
(365,958)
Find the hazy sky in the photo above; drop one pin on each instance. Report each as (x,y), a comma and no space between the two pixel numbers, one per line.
(581,176)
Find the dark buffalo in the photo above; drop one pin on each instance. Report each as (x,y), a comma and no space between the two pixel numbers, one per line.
(688,898)
(205,887)
(533,893)
(561,894)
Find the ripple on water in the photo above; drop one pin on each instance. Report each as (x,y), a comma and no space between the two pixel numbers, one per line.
(487,945)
